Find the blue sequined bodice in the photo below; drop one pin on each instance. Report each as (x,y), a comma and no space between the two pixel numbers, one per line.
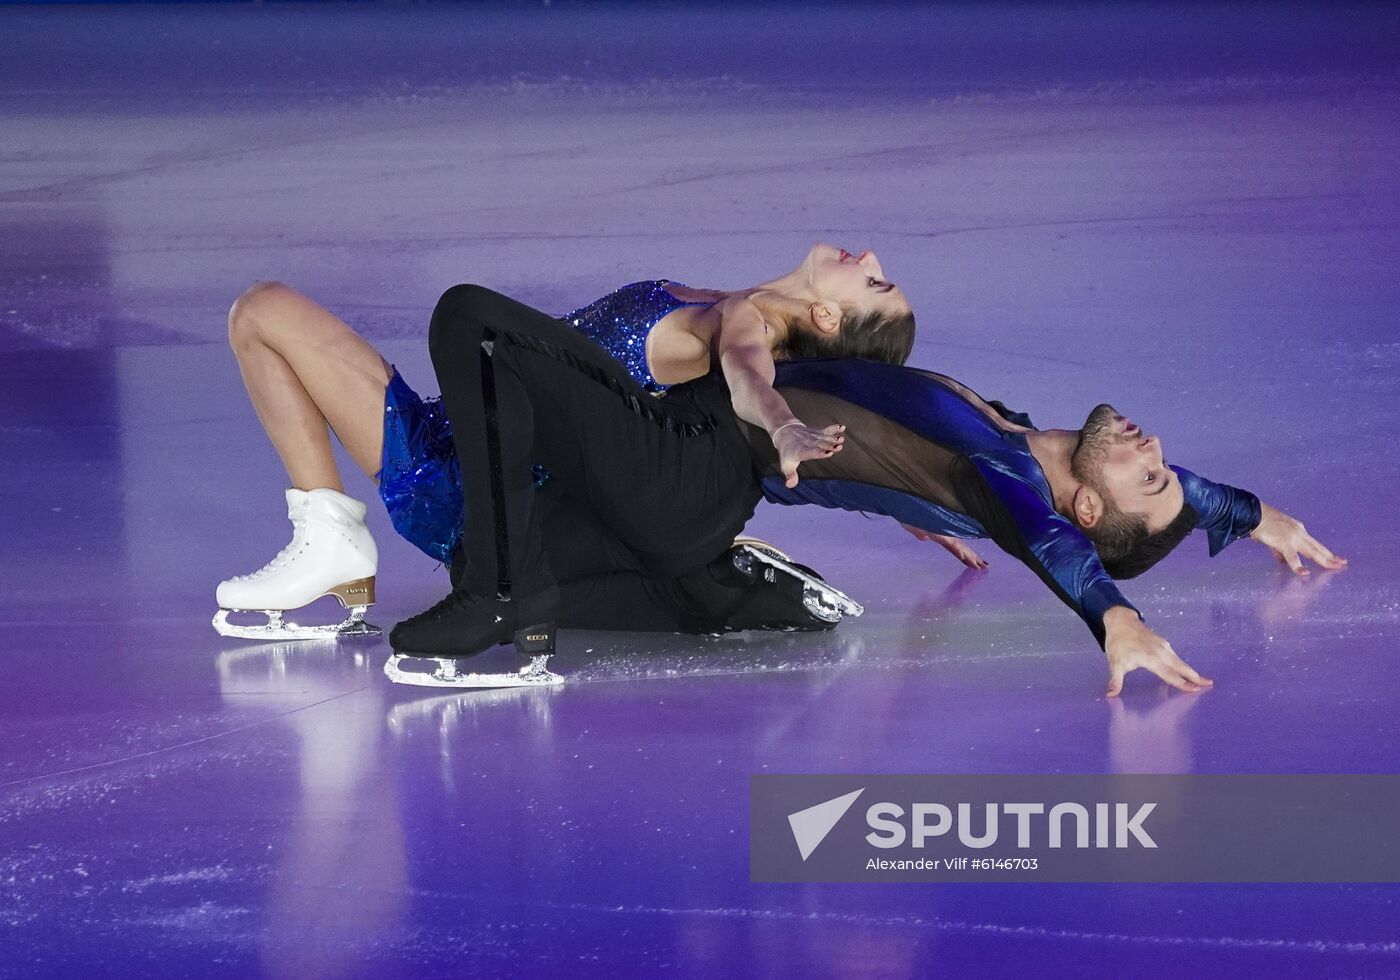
(621,320)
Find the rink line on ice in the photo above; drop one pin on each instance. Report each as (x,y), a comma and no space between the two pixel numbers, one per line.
(979,142)
(1116,219)
(164,163)
(179,745)
(956,925)
(935,923)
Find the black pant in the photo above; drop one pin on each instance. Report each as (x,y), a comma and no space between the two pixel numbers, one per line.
(644,493)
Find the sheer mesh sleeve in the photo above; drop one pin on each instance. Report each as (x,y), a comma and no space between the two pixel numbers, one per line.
(878,453)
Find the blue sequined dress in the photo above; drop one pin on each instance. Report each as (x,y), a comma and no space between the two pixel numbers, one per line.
(420,481)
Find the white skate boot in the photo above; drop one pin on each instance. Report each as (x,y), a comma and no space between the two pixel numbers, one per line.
(331,553)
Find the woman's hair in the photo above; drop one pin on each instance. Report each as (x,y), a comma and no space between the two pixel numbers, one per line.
(871,335)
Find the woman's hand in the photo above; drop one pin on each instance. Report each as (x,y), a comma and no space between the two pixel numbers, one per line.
(957,547)
(797,443)
(1290,541)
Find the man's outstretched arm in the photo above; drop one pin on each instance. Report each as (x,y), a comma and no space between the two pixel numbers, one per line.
(1023,524)
(1228,513)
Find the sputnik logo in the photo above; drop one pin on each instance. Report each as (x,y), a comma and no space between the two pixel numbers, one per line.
(810,826)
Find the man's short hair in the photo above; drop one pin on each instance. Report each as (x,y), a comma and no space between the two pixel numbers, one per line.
(1128,549)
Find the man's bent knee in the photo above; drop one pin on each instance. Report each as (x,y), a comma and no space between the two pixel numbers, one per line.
(458,309)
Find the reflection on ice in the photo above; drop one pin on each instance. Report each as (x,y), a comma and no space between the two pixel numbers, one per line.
(1149,733)
(341,875)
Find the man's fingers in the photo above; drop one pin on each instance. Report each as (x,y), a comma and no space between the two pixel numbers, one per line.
(1169,667)
(1168,673)
(1192,675)
(1115,682)
(1292,560)
(1181,680)
(1319,553)
(1189,672)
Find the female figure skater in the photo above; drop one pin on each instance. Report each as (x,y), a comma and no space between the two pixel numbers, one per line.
(307,372)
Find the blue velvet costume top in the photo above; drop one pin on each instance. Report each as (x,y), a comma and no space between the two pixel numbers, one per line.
(986,481)
(420,481)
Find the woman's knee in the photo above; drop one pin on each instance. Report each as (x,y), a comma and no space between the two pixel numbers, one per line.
(255,309)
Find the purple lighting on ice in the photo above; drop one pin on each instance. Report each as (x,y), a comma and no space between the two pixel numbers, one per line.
(1188,212)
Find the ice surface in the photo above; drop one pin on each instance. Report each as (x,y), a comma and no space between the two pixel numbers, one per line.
(1190,212)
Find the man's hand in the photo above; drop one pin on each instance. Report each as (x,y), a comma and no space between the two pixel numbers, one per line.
(1290,541)
(1130,645)
(956,547)
(797,443)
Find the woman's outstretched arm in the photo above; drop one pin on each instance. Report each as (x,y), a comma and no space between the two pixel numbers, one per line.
(745,349)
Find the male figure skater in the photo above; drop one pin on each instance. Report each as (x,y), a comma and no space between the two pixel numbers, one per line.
(649,491)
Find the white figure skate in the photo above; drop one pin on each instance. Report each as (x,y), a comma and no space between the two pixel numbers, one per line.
(331,553)
(822,600)
(446,673)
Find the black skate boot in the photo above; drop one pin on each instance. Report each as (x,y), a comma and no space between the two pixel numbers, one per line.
(463,625)
(764,597)
(823,600)
(430,647)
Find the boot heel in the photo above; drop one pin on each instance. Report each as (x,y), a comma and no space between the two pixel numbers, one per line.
(357,593)
(534,641)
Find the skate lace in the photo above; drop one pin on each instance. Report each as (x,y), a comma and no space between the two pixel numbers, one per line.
(449,605)
(281,558)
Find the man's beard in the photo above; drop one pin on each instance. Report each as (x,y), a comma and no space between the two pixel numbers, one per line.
(1094,440)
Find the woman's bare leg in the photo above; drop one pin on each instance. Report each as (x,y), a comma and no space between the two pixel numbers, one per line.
(307,370)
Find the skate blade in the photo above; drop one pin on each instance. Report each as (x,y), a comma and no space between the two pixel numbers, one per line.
(828,599)
(276,628)
(446,674)
(747,541)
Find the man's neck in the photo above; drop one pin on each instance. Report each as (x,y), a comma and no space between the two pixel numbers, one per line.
(1053,449)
